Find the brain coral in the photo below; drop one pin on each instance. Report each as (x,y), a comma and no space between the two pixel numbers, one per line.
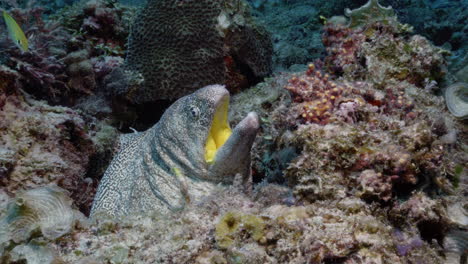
(178,46)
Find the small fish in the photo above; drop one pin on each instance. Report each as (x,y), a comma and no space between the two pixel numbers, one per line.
(323,20)
(15,32)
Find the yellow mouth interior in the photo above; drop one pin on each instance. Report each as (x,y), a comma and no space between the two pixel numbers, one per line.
(219,132)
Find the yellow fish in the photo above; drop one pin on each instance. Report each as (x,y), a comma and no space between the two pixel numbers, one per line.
(323,19)
(15,32)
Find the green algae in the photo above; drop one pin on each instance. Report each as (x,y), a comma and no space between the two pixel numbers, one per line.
(233,223)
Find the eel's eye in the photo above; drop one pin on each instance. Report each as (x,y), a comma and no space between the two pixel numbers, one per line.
(195,111)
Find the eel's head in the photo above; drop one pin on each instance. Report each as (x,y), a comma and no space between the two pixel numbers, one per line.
(213,151)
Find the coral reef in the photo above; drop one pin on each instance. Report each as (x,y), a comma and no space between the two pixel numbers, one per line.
(60,66)
(42,72)
(427,214)
(296,25)
(371,164)
(439,21)
(366,129)
(349,138)
(104,25)
(44,211)
(456,97)
(370,13)
(246,231)
(316,97)
(178,47)
(381,54)
(42,144)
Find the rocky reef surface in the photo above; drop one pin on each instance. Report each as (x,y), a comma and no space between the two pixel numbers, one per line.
(296,26)
(42,144)
(358,159)
(175,48)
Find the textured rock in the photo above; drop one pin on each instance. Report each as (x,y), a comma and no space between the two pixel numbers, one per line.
(42,144)
(179,46)
(382,56)
(80,71)
(348,229)
(369,13)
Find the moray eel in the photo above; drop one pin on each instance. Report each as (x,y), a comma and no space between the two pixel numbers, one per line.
(180,159)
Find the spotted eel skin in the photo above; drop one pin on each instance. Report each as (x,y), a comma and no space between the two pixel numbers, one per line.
(163,168)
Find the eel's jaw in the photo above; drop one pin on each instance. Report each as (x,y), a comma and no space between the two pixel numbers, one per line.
(219,131)
(233,157)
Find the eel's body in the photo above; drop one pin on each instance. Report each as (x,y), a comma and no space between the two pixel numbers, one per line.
(166,166)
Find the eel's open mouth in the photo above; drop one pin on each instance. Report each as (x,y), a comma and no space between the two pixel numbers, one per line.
(219,131)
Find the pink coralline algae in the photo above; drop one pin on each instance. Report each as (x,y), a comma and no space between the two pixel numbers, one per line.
(320,99)
(342,45)
(316,95)
(382,54)
(362,120)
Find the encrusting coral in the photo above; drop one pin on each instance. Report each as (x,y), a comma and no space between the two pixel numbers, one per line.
(382,54)
(232,223)
(42,144)
(179,46)
(364,128)
(228,227)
